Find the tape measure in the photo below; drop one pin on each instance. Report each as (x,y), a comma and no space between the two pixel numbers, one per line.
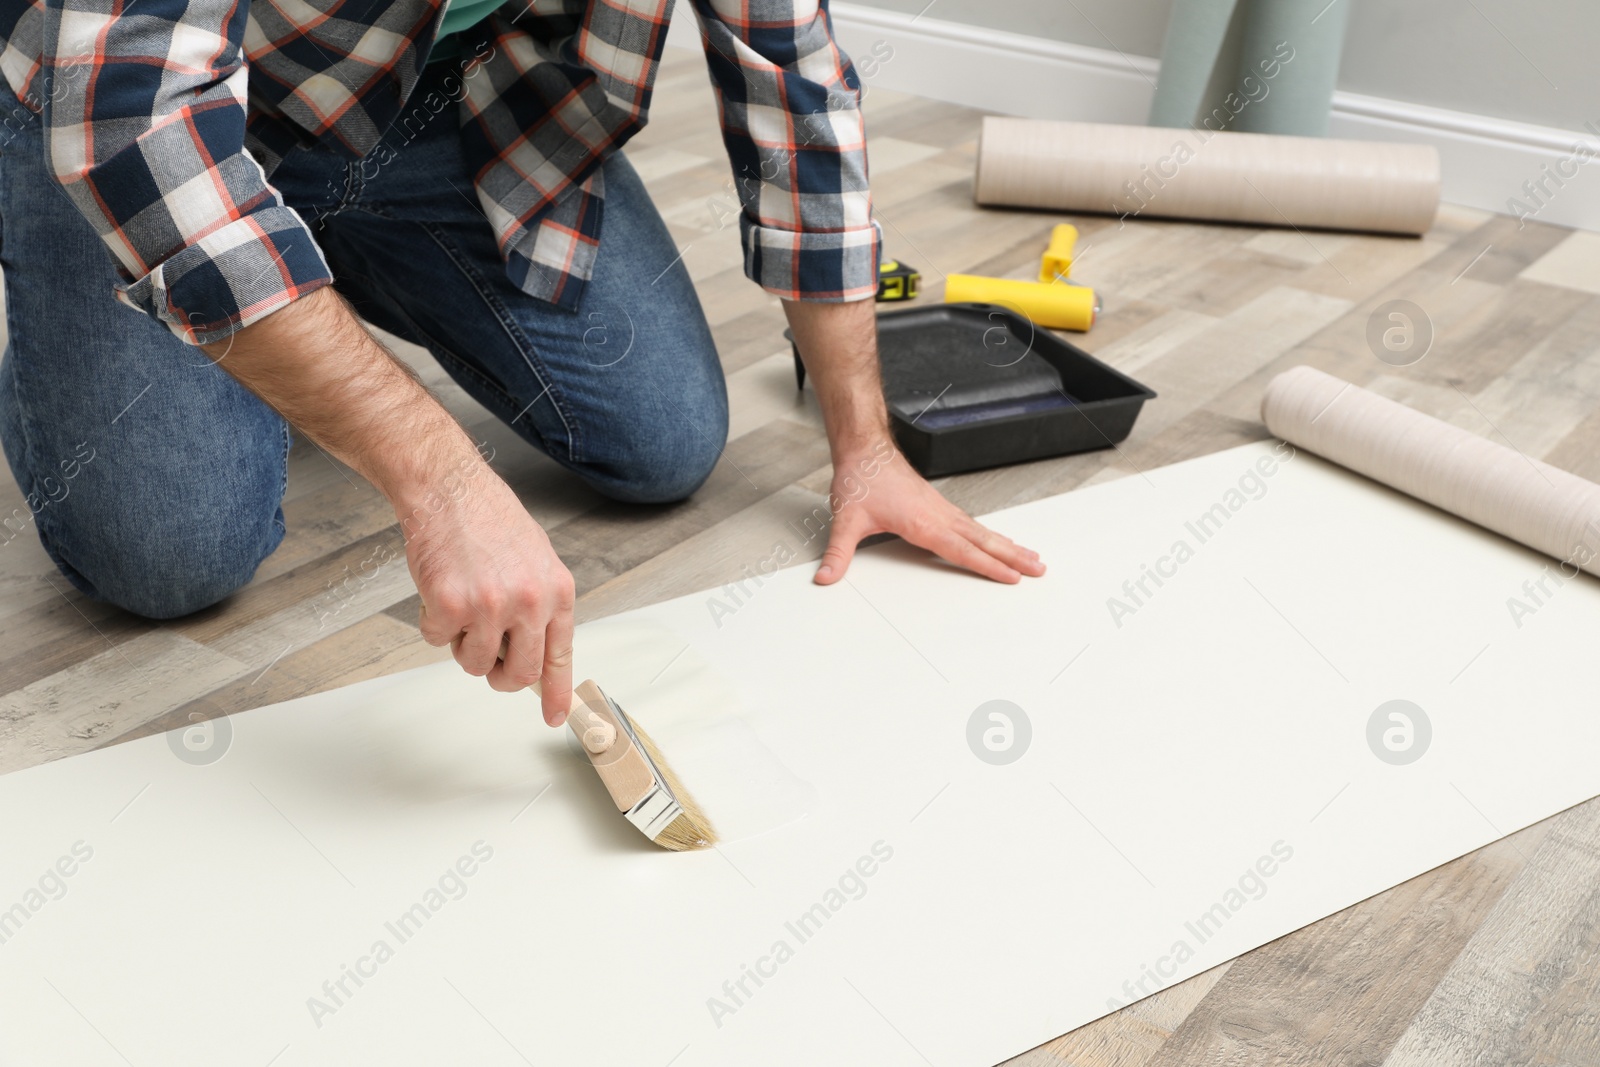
(897,281)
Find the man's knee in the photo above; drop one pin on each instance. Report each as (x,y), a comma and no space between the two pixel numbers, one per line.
(167,568)
(674,473)
(665,455)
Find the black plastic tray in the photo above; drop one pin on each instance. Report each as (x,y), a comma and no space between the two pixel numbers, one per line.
(977,385)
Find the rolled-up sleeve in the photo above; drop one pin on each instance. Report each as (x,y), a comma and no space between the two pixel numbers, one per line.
(144,108)
(790,105)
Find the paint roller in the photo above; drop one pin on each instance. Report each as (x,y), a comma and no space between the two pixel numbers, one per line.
(1061,306)
(1056,263)
(1054,301)
(1531,502)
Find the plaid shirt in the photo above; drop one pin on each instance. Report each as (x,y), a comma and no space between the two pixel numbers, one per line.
(164,120)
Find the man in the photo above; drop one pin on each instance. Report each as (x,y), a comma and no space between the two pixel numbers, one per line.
(454,175)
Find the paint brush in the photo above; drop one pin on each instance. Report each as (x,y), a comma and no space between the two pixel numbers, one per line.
(634,771)
(636,774)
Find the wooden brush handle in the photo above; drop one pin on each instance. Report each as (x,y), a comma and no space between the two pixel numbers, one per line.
(596,734)
(624,770)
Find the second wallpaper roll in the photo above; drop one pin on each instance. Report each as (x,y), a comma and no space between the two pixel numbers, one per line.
(1266,179)
(1544,507)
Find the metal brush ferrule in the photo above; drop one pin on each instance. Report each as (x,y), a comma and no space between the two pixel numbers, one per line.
(656,810)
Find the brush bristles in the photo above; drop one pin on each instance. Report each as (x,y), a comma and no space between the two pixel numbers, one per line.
(691,830)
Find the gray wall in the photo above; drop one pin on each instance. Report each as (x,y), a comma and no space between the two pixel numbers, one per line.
(1527,60)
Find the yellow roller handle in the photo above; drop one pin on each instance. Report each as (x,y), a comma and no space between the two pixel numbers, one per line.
(1059,306)
(1057,260)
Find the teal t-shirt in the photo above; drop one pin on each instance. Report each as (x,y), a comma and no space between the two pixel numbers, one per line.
(459,15)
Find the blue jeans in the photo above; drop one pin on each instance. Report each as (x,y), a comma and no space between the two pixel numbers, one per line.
(154,479)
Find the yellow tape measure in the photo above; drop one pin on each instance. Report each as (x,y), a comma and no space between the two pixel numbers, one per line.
(897,281)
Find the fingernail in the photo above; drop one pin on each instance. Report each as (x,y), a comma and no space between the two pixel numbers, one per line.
(560,719)
(825,571)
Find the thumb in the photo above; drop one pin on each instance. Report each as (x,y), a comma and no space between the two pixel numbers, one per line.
(848,530)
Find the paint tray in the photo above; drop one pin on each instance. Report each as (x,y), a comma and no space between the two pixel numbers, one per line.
(970,386)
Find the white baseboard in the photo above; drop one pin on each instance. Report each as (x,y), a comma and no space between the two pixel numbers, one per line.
(1485,160)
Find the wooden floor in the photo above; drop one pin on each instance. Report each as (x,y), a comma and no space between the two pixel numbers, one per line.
(1492,959)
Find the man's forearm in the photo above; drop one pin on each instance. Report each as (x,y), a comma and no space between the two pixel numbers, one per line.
(491,585)
(318,367)
(839,343)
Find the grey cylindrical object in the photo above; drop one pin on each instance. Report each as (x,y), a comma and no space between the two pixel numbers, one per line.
(1250,66)
(1296,101)
(1189,52)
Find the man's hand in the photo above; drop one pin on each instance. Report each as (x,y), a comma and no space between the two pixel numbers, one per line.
(874,488)
(896,499)
(484,568)
(492,585)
